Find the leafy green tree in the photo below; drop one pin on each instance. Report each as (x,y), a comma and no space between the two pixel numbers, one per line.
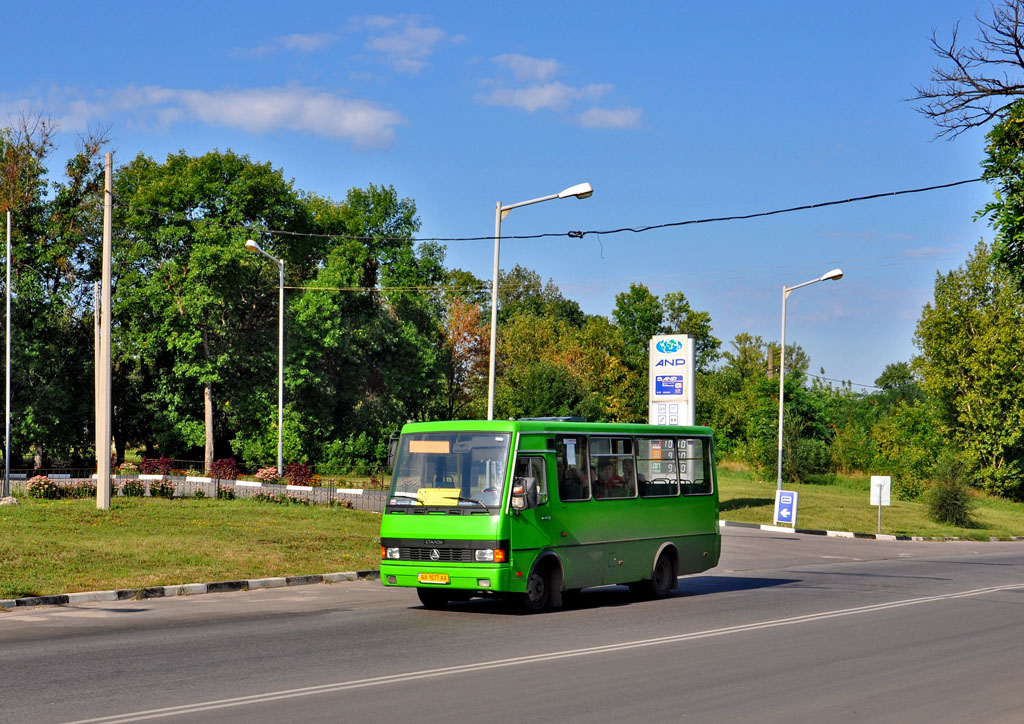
(189,298)
(971,338)
(681,318)
(367,335)
(521,290)
(53,258)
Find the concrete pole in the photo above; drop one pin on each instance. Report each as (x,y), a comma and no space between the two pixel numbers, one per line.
(103,403)
(7,398)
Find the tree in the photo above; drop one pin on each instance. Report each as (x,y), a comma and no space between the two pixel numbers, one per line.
(464,354)
(971,339)
(1004,166)
(638,314)
(188,293)
(975,84)
(681,318)
(53,258)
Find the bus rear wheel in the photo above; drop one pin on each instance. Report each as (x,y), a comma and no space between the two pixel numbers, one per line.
(433,598)
(660,584)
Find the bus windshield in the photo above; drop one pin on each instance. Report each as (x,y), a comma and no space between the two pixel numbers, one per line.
(450,469)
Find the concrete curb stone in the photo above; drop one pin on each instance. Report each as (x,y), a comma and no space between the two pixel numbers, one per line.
(187,589)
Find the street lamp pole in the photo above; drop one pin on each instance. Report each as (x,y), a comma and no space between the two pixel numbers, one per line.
(835,274)
(253,246)
(580,191)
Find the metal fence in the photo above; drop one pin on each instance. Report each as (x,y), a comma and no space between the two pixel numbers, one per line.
(330,493)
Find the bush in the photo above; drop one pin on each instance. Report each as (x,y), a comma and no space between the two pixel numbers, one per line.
(225,492)
(949,500)
(83,489)
(133,488)
(297,473)
(41,486)
(267,475)
(127,468)
(161,489)
(906,486)
(156,466)
(224,469)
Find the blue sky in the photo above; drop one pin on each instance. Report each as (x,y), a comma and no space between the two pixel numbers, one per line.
(672,111)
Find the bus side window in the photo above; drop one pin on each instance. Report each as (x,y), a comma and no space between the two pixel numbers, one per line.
(694,456)
(571,462)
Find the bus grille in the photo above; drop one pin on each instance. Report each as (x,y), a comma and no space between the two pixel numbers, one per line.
(445,555)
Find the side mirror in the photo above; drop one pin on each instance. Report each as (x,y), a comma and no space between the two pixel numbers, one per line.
(392,451)
(524,493)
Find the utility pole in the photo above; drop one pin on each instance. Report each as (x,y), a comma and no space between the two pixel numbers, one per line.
(7,397)
(103,376)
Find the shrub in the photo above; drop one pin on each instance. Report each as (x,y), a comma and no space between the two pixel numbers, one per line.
(949,500)
(297,473)
(161,489)
(41,486)
(225,492)
(133,488)
(82,489)
(267,475)
(224,469)
(906,486)
(199,494)
(127,468)
(156,466)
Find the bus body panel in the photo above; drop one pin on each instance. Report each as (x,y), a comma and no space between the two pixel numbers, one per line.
(595,541)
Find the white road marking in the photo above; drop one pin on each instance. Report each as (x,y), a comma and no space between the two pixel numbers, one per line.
(524,660)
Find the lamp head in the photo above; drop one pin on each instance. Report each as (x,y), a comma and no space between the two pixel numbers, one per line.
(252,245)
(580,191)
(834,275)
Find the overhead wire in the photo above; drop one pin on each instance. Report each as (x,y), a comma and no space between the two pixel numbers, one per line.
(568,234)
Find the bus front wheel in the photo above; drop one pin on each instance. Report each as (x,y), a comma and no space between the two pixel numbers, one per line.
(538,591)
(433,598)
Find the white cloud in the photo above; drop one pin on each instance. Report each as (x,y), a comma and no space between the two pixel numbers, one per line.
(257,110)
(305,43)
(403,41)
(610,118)
(294,42)
(551,96)
(525,68)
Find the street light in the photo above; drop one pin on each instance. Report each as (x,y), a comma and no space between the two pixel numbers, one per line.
(834,275)
(253,246)
(580,191)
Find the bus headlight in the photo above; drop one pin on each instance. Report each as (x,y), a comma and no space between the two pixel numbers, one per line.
(392,553)
(490,555)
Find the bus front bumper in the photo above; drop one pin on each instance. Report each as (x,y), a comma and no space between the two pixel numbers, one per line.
(466,577)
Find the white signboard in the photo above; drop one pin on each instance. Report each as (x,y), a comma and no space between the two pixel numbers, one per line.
(881,487)
(671,379)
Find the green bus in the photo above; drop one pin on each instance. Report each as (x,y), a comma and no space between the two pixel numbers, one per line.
(535,509)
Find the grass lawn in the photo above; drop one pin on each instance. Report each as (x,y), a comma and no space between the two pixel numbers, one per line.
(844,506)
(64,546)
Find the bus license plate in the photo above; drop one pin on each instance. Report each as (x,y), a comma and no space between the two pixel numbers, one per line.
(432,578)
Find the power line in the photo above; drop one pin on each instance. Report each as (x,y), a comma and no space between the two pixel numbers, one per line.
(569,234)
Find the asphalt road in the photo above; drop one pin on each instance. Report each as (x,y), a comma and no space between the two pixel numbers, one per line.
(788,628)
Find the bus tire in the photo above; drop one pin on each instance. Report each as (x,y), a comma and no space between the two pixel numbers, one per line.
(433,598)
(663,577)
(538,590)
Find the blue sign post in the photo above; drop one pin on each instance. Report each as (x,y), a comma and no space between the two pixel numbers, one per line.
(785,507)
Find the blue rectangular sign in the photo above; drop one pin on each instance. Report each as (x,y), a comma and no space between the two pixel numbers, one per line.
(785,507)
(668,385)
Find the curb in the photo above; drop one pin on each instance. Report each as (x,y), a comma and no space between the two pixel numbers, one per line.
(187,589)
(848,534)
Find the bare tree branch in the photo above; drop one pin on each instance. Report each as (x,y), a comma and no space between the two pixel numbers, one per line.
(974,84)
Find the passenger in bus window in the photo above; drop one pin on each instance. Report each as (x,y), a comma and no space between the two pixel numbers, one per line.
(607,479)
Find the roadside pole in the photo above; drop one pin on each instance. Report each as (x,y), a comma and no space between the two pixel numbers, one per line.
(103,371)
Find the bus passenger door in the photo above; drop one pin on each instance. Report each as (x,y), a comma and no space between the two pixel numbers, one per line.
(532,529)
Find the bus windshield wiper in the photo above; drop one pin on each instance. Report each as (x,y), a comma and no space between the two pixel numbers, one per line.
(474,500)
